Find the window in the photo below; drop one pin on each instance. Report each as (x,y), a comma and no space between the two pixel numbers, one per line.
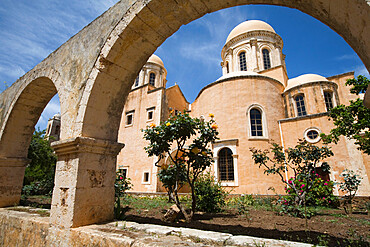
(266,59)
(123,172)
(57,130)
(137,81)
(256,122)
(129,118)
(150,113)
(227,67)
(146,178)
(312,135)
(242,61)
(301,109)
(226,165)
(152,79)
(328,97)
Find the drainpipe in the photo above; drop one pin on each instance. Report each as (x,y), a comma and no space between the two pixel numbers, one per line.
(282,144)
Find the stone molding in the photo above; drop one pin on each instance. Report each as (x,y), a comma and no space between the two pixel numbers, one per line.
(14,162)
(257,33)
(86,145)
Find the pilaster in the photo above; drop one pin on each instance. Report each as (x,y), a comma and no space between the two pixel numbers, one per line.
(84,181)
(11,180)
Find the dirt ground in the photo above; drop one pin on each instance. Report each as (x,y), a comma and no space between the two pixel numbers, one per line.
(331,227)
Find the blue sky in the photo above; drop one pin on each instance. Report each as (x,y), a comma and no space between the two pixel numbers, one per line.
(31,30)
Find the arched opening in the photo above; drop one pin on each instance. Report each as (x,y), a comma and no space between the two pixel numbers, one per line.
(226,165)
(242,61)
(20,123)
(266,59)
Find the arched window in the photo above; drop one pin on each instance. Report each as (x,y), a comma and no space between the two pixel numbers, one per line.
(227,68)
(256,122)
(242,61)
(137,81)
(266,59)
(301,109)
(152,79)
(226,165)
(328,97)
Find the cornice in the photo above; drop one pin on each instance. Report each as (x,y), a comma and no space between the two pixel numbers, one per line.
(86,145)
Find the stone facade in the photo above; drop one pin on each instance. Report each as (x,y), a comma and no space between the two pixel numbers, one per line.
(254,81)
(93,73)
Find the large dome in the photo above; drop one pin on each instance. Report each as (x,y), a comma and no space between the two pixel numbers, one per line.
(155,59)
(247,26)
(303,79)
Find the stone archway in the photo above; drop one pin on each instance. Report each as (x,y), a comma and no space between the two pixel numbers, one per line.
(24,110)
(98,67)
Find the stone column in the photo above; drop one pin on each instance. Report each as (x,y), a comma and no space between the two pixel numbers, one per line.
(84,181)
(11,180)
(254,66)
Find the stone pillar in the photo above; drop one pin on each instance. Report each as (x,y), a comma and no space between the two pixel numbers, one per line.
(84,181)
(11,180)
(255,65)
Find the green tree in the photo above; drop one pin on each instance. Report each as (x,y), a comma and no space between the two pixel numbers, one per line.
(191,138)
(42,166)
(352,121)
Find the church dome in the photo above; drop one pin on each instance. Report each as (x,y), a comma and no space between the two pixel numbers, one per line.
(57,116)
(304,79)
(247,26)
(155,59)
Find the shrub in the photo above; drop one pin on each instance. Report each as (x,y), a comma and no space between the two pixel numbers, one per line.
(320,194)
(121,185)
(350,186)
(210,195)
(243,202)
(43,187)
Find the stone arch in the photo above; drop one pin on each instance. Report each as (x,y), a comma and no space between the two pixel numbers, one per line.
(147,24)
(105,80)
(17,128)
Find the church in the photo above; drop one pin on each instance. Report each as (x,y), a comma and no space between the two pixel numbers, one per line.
(254,104)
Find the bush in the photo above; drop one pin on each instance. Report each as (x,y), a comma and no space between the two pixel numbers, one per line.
(243,202)
(43,187)
(121,185)
(320,194)
(209,194)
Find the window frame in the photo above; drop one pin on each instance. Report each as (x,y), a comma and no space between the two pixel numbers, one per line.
(327,92)
(217,146)
(150,79)
(148,111)
(232,170)
(308,139)
(240,61)
(296,106)
(263,122)
(127,115)
(136,83)
(143,177)
(265,59)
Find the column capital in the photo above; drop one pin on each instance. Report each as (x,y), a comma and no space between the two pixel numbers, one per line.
(86,145)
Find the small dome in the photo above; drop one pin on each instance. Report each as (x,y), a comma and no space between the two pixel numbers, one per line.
(57,116)
(303,79)
(155,59)
(247,26)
